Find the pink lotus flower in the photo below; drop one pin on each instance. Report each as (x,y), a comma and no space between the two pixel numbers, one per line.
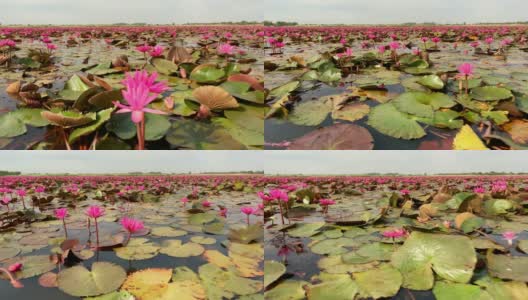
(424,39)
(347,53)
(206,203)
(489,40)
(131,225)
(474,44)
(51,47)
(394,45)
(436,40)
(405,192)
(466,69)
(21,193)
(278,194)
(395,233)
(15,267)
(6,200)
(143,48)
(509,236)
(382,49)
(447,224)
(479,190)
(95,211)
(223,212)
(264,197)
(226,49)
(61,213)
(326,202)
(40,189)
(184,200)
(247,210)
(157,51)
(140,91)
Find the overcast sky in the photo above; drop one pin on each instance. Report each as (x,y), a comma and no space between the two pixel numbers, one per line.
(415,162)
(129,161)
(395,11)
(129,11)
(302,11)
(284,162)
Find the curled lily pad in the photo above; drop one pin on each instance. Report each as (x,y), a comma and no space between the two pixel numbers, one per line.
(80,282)
(68,118)
(432,81)
(73,88)
(215,98)
(335,137)
(102,117)
(490,93)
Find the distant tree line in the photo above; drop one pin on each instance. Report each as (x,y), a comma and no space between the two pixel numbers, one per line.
(280,23)
(9,173)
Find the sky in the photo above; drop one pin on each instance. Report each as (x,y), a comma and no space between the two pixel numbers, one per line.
(406,162)
(129,11)
(302,11)
(272,162)
(129,161)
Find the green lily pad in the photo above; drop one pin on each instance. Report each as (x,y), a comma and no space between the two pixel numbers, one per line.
(287,290)
(102,117)
(448,291)
(507,267)
(138,249)
(80,282)
(273,270)
(190,134)
(310,113)
(333,286)
(333,246)
(390,121)
(379,283)
(422,104)
(32,265)
(164,66)
(306,229)
(11,126)
(167,231)
(31,116)
(490,93)
(219,283)
(450,257)
(73,88)
(285,89)
(207,74)
(176,248)
(432,81)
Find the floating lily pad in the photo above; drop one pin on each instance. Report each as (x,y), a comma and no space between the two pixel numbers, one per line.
(335,137)
(176,248)
(80,282)
(387,119)
(490,93)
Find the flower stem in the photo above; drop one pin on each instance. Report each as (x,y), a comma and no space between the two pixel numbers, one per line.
(65,230)
(282,216)
(247,219)
(97,233)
